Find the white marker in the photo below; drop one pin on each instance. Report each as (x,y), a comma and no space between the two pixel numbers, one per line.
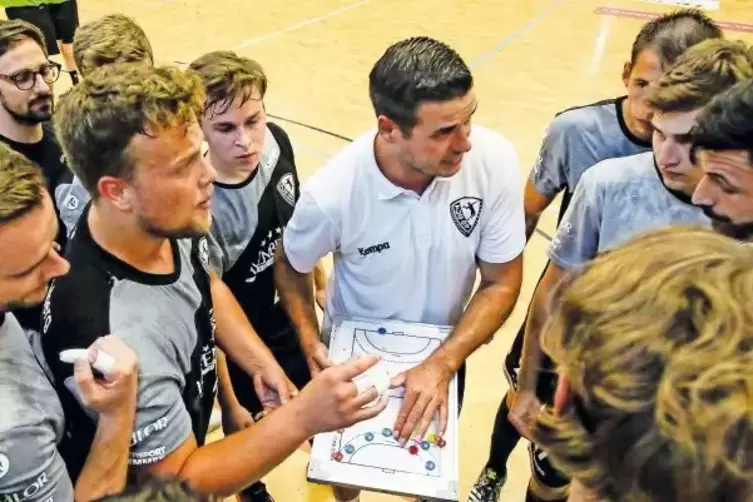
(104,363)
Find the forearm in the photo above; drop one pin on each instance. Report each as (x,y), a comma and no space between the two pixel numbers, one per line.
(235,335)
(106,467)
(532,220)
(297,297)
(320,277)
(488,309)
(226,395)
(247,455)
(530,361)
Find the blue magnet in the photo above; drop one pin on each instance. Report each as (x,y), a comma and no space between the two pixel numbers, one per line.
(382,331)
(387,432)
(369,436)
(349,449)
(430,466)
(425,445)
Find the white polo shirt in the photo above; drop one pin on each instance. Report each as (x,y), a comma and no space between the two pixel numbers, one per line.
(398,255)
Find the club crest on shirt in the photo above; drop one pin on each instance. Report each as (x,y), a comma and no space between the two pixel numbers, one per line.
(286,188)
(465,213)
(204,253)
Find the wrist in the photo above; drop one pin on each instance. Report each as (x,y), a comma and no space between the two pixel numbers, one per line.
(444,361)
(300,418)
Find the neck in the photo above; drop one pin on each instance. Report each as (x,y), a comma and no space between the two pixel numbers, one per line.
(396,171)
(18,132)
(629,120)
(120,236)
(229,175)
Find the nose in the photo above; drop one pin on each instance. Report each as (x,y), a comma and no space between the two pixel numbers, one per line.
(702,195)
(668,154)
(244,140)
(40,84)
(55,266)
(463,139)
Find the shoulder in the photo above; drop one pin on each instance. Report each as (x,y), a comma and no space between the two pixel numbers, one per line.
(619,170)
(574,121)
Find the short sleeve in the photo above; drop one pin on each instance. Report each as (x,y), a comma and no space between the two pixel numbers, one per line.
(577,238)
(503,234)
(162,421)
(70,198)
(31,469)
(310,235)
(549,173)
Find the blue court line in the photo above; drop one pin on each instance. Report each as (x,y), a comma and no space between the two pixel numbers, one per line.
(515,35)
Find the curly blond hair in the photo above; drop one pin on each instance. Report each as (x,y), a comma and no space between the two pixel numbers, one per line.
(656,341)
(98,118)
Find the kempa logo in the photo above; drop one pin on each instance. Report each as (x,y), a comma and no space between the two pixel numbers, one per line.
(377,248)
(4,465)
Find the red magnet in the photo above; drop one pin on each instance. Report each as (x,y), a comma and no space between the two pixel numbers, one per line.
(441,442)
(337,456)
(413,450)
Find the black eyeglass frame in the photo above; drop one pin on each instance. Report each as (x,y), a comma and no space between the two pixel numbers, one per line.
(50,68)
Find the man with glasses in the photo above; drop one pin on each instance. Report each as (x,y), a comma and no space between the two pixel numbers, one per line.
(26,105)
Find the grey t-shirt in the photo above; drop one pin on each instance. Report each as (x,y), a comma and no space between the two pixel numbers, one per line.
(168,320)
(577,139)
(31,424)
(616,200)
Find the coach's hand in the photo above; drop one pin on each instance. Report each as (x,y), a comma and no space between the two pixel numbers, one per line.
(426,389)
(317,357)
(331,400)
(116,394)
(272,386)
(525,409)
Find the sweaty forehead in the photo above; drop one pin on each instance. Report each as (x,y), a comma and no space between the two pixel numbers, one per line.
(24,54)
(675,122)
(734,162)
(237,111)
(446,113)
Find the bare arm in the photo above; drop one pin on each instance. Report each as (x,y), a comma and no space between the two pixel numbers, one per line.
(487,310)
(296,294)
(534,204)
(238,339)
(106,467)
(329,402)
(427,384)
(320,285)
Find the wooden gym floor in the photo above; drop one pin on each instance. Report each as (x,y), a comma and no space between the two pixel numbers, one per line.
(531,58)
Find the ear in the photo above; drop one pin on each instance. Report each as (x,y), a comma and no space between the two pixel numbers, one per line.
(116,191)
(561,394)
(627,69)
(388,129)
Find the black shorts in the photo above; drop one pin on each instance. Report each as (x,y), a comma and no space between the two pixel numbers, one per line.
(56,21)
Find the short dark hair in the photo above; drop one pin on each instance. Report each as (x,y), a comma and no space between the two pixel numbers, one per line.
(226,76)
(22,185)
(97,119)
(727,122)
(12,32)
(672,34)
(412,71)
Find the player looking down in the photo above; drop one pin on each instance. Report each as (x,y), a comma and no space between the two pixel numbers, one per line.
(411,211)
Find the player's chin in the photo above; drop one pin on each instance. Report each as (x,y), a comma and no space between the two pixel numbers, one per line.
(30,300)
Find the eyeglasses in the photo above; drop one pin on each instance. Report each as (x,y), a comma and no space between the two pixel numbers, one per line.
(25,79)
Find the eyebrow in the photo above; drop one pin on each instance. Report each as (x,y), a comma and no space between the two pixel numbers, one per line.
(226,122)
(180,164)
(453,126)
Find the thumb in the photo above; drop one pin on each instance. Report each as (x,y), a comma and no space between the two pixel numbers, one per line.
(82,373)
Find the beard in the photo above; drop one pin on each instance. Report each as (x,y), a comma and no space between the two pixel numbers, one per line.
(724,225)
(175,233)
(32,116)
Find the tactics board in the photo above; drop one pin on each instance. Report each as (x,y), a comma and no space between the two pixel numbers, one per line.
(367,455)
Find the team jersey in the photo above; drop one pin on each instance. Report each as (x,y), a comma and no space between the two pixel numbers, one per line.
(615,201)
(47,154)
(31,424)
(248,219)
(167,319)
(577,139)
